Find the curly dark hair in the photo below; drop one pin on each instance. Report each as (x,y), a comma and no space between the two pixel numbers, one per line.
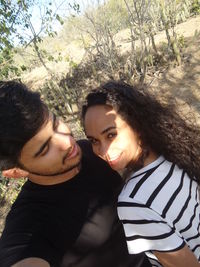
(22,113)
(160,126)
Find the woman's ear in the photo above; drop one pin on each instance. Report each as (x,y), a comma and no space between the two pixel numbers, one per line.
(15,173)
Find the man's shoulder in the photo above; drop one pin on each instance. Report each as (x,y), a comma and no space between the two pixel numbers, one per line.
(88,156)
(85,145)
(96,169)
(90,159)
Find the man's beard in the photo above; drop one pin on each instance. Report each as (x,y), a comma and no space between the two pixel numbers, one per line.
(68,169)
(77,165)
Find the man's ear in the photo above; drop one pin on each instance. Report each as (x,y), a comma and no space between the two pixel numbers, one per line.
(15,173)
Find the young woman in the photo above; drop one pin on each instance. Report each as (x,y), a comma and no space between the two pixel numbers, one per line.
(158,152)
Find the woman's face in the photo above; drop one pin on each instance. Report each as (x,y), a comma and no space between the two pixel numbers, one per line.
(111,137)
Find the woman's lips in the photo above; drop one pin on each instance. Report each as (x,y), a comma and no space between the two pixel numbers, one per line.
(114,160)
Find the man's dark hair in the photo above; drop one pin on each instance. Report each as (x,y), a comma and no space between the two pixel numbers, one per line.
(160,126)
(22,113)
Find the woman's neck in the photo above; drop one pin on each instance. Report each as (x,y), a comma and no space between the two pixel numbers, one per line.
(152,156)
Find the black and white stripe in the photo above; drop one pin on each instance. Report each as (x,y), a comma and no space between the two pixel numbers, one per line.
(160,211)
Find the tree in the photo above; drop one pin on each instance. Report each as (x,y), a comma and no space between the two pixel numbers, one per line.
(139,20)
(17,27)
(9,20)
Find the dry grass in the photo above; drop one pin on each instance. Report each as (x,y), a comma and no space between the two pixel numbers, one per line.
(75,52)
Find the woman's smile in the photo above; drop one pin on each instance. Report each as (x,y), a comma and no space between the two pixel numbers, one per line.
(114,160)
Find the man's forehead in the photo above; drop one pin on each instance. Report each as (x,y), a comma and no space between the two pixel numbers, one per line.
(43,132)
(48,119)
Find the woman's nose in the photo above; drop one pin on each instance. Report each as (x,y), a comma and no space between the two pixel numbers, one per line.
(103,150)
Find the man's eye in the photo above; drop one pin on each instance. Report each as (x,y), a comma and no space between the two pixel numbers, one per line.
(45,150)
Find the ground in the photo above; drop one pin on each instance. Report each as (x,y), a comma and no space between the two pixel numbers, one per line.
(183,81)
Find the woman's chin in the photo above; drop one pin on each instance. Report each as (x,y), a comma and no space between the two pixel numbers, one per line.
(117,167)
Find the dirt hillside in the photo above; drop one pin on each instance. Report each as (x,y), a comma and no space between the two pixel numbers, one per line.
(183,81)
(188,29)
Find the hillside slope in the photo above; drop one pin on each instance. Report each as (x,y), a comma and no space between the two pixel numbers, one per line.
(37,76)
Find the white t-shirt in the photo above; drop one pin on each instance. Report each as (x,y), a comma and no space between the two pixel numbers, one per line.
(159,208)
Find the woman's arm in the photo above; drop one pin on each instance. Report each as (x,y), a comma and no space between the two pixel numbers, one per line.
(180,258)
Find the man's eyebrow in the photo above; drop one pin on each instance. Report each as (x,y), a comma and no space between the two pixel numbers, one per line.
(42,147)
(47,141)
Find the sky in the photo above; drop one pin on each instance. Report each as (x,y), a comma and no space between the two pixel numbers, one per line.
(62,7)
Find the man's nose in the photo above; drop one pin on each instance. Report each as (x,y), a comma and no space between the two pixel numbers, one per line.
(63,141)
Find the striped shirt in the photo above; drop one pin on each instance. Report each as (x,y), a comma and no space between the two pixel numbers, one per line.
(160,211)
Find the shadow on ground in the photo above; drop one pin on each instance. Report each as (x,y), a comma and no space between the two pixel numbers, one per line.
(183,82)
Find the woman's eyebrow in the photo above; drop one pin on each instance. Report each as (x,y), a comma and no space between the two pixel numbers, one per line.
(108,129)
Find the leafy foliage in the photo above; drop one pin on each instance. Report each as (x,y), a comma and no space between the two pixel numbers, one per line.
(9,19)
(17,27)
(195,9)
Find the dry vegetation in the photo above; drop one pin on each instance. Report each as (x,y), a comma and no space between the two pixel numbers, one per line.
(189,30)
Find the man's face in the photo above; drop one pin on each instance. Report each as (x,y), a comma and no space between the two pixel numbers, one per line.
(52,151)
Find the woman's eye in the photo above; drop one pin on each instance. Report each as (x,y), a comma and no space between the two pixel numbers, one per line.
(93,141)
(111,135)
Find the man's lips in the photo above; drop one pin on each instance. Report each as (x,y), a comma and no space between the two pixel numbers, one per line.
(72,153)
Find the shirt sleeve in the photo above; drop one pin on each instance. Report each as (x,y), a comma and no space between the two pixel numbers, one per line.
(146,230)
(17,245)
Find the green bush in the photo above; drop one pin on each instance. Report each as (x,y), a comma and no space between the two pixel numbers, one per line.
(195,9)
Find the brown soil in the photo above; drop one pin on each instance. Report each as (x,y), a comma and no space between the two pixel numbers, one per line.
(182,82)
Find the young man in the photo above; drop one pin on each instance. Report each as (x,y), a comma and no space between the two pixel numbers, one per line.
(64,214)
